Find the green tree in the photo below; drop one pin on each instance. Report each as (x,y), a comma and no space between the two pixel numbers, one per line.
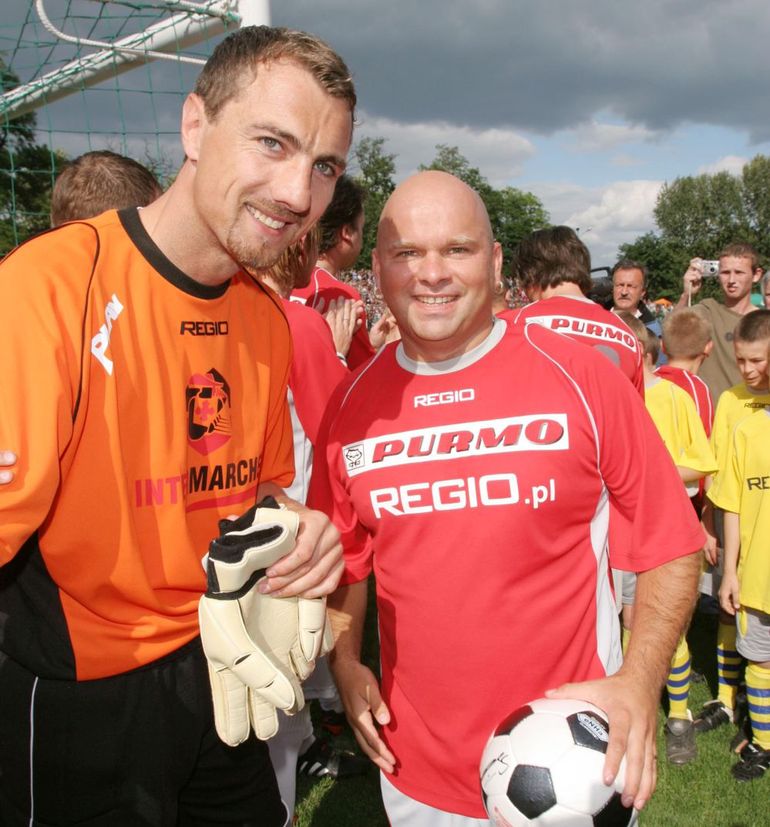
(703,213)
(513,213)
(376,169)
(450,159)
(699,215)
(27,172)
(755,182)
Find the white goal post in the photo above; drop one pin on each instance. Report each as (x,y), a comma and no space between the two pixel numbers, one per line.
(192,23)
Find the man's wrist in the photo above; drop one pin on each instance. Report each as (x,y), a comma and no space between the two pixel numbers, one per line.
(648,681)
(341,662)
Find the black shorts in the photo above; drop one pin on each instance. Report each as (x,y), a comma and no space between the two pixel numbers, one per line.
(134,750)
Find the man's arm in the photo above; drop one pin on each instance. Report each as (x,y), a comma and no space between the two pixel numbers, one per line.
(689,475)
(665,597)
(711,549)
(729,589)
(46,346)
(691,283)
(357,684)
(657,533)
(314,567)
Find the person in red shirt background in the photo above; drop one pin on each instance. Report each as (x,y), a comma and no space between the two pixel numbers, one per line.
(342,228)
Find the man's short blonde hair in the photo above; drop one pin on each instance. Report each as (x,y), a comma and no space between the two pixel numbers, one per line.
(236,60)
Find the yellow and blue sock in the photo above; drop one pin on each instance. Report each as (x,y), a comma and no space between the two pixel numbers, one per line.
(728,664)
(758,695)
(678,682)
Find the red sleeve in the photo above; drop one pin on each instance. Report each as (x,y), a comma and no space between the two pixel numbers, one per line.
(328,493)
(278,458)
(652,520)
(316,370)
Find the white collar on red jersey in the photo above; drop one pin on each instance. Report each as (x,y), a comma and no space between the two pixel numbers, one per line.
(459,362)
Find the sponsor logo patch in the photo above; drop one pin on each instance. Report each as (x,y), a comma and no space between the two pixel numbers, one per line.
(208,411)
(425,400)
(203,328)
(101,341)
(534,432)
(572,326)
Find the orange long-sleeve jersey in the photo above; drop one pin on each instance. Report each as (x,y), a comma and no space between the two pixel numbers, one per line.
(144,407)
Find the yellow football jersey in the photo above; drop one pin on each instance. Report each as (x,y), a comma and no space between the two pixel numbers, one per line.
(676,418)
(733,405)
(743,486)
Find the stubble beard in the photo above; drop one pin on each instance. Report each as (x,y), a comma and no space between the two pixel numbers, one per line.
(252,260)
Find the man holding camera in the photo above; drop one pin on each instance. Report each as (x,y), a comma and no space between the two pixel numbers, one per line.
(738,270)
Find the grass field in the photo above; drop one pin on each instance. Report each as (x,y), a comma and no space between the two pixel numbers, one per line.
(702,794)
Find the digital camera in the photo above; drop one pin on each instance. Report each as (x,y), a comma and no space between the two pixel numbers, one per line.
(710,269)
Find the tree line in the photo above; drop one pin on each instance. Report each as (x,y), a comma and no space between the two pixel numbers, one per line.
(699,215)
(513,213)
(694,215)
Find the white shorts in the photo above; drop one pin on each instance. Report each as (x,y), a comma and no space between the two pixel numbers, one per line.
(753,638)
(711,576)
(404,811)
(320,685)
(624,584)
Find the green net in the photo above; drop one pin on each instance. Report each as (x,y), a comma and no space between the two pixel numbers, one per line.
(63,94)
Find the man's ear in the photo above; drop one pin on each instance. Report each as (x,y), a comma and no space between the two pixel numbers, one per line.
(497,259)
(345,235)
(193,123)
(757,275)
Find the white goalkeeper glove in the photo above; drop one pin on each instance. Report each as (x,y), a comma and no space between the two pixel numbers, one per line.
(258,647)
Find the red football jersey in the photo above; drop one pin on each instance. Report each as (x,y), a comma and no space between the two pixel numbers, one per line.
(589,323)
(324,286)
(481,505)
(316,370)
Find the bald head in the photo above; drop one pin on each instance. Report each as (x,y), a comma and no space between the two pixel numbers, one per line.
(436,264)
(427,194)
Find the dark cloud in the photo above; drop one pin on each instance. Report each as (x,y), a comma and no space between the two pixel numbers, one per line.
(547,66)
(522,65)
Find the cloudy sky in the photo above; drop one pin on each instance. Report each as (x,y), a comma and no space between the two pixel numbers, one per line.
(590,104)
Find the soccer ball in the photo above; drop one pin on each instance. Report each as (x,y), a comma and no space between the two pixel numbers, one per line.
(543,767)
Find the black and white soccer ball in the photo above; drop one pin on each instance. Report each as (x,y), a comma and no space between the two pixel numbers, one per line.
(543,767)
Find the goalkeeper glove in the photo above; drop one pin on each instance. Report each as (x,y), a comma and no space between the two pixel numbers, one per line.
(258,647)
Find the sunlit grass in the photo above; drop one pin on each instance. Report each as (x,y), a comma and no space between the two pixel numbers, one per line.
(702,794)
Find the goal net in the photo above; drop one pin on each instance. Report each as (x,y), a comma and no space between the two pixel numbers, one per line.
(80,75)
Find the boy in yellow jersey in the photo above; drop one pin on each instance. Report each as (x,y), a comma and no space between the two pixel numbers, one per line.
(742,489)
(679,425)
(751,341)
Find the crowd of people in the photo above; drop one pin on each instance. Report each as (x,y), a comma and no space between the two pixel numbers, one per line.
(532,489)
